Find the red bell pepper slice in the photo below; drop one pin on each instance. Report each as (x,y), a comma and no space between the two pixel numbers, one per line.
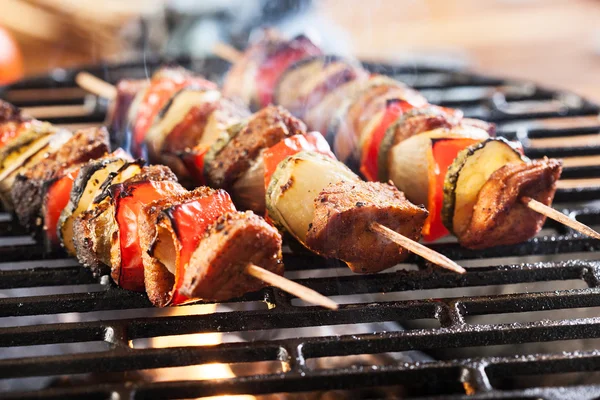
(129,200)
(57,197)
(442,155)
(370,152)
(271,69)
(156,96)
(194,163)
(191,220)
(312,141)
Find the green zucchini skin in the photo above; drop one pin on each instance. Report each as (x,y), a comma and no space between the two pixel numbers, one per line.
(453,174)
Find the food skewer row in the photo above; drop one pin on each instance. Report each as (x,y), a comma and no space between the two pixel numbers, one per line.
(136,222)
(481,189)
(497,214)
(268,161)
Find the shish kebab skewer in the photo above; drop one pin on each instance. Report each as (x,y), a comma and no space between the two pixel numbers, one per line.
(109,210)
(228,160)
(300,54)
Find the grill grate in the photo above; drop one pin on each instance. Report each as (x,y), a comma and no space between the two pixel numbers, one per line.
(537,116)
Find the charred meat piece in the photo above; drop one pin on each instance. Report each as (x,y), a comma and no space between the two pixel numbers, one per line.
(217,267)
(27,191)
(264,129)
(499,217)
(170,230)
(344,212)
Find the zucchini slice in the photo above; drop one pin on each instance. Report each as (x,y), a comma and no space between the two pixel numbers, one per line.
(295,185)
(467,175)
(86,188)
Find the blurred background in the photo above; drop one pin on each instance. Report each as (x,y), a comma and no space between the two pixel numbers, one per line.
(554,42)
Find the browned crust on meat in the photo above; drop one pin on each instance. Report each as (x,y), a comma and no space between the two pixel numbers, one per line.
(28,190)
(153,173)
(264,129)
(91,237)
(341,227)
(217,267)
(158,279)
(499,217)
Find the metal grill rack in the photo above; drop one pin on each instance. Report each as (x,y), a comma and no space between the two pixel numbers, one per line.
(537,116)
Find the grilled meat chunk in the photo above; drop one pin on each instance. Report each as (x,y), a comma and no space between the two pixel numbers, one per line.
(264,129)
(499,217)
(27,191)
(94,232)
(216,269)
(344,212)
(153,173)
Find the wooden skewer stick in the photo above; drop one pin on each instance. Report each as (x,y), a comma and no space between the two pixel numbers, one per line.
(560,217)
(227,52)
(417,248)
(292,287)
(95,85)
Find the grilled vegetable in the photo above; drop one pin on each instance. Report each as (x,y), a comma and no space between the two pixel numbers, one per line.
(374,136)
(186,111)
(151,100)
(270,70)
(466,176)
(57,194)
(249,189)
(409,124)
(25,151)
(27,191)
(129,198)
(295,184)
(86,187)
(348,124)
(443,153)
(409,160)
(171,229)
